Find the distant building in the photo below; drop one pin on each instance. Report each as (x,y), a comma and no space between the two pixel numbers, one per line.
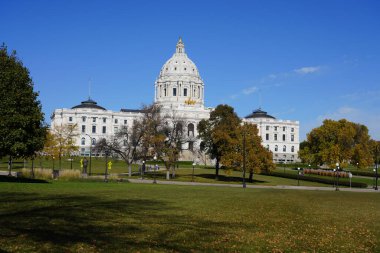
(279,136)
(179,89)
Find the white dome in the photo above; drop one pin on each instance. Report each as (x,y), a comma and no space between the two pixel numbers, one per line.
(179,83)
(179,66)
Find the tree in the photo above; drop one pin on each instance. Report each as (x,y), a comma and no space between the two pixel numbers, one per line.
(164,137)
(125,143)
(217,133)
(64,138)
(340,142)
(257,158)
(22,132)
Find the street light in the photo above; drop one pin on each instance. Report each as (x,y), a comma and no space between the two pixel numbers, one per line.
(142,170)
(244,185)
(192,176)
(337,169)
(298,176)
(154,170)
(90,152)
(374,178)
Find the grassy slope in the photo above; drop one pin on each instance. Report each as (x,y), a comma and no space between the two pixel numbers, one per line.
(91,217)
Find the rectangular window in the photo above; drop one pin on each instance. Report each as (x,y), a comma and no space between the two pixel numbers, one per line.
(83,128)
(104,120)
(292,137)
(191,145)
(275,137)
(267,137)
(104,129)
(185,92)
(284,129)
(174,91)
(292,129)
(116,121)
(83,119)
(125,122)
(267,127)
(93,129)
(94,119)
(275,128)
(283,137)
(115,129)
(70,119)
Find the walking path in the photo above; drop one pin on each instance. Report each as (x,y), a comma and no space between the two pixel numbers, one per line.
(287,187)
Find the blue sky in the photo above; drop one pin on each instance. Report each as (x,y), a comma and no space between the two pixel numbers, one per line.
(298,60)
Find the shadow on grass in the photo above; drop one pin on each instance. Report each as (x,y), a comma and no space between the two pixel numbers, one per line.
(20,180)
(227,178)
(65,223)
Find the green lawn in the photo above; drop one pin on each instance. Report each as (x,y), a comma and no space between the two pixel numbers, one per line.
(113,217)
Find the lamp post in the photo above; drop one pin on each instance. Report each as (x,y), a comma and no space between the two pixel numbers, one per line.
(374,178)
(337,175)
(377,166)
(192,176)
(298,176)
(142,170)
(106,171)
(90,152)
(244,185)
(154,170)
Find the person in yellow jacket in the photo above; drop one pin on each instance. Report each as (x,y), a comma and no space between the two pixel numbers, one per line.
(109,165)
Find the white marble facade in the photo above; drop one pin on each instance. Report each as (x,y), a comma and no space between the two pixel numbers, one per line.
(179,89)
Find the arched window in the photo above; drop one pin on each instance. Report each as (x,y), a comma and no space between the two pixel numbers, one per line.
(275,148)
(190,130)
(93,141)
(83,141)
(179,129)
(292,148)
(284,148)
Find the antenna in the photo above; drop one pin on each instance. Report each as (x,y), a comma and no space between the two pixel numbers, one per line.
(260,100)
(89,88)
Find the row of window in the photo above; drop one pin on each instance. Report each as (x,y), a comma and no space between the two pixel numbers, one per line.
(283,128)
(84,118)
(275,138)
(93,129)
(184,92)
(83,141)
(283,148)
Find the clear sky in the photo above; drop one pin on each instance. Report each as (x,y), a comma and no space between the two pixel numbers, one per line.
(296,59)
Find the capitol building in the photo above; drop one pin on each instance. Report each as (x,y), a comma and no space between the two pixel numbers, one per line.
(179,90)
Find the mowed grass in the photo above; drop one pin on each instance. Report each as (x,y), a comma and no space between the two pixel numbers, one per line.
(124,217)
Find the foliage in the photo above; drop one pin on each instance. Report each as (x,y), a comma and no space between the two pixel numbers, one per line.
(22,132)
(340,141)
(218,133)
(60,141)
(257,158)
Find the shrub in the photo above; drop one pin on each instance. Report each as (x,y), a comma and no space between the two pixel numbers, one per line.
(38,173)
(69,174)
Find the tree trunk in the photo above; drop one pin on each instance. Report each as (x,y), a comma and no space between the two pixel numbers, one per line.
(250,177)
(10,166)
(33,168)
(217,170)
(129,170)
(167,174)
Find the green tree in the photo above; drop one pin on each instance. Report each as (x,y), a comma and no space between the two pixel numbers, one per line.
(338,141)
(22,132)
(218,133)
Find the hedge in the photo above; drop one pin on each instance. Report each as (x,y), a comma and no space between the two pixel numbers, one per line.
(315,179)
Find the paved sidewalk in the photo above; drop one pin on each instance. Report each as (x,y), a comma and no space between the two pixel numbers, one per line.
(286,187)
